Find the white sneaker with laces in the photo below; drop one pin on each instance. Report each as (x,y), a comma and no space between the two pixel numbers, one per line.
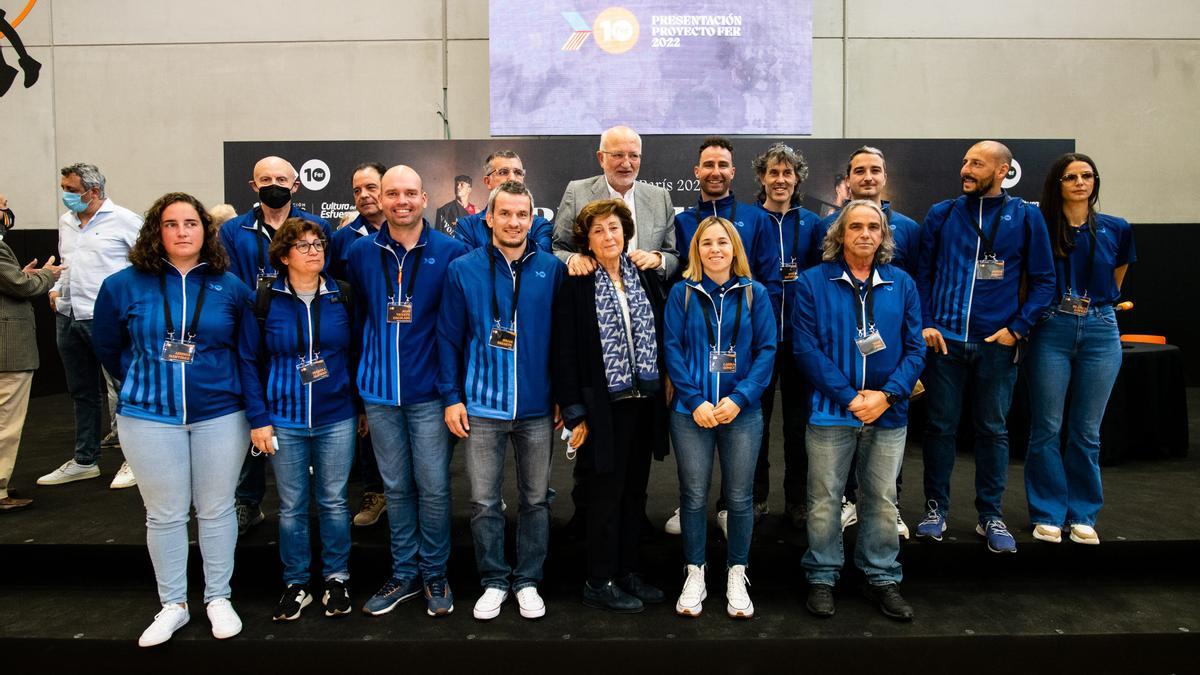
(849,514)
(124,478)
(1084,534)
(70,472)
(673,525)
(487,607)
(530,603)
(901,527)
(170,619)
(693,594)
(225,622)
(723,523)
(737,599)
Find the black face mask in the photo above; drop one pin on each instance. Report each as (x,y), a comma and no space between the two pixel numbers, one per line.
(274,196)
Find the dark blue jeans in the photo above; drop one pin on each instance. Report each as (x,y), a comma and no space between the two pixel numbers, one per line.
(991,373)
(83,373)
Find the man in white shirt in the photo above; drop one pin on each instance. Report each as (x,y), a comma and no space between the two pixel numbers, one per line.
(94,238)
(653,243)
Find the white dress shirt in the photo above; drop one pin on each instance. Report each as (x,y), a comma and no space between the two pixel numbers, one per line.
(92,253)
(628,199)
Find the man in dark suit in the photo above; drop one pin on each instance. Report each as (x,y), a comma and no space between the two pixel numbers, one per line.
(653,243)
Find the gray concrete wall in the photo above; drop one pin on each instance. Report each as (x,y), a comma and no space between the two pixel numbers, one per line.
(149,89)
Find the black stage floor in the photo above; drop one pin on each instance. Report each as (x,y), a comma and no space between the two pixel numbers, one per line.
(76,582)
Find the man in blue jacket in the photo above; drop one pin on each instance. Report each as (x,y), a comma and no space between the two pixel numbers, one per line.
(399,273)
(494,352)
(980,253)
(857,323)
(500,167)
(246,239)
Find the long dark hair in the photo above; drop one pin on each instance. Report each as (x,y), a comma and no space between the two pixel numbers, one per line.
(1062,237)
(148,253)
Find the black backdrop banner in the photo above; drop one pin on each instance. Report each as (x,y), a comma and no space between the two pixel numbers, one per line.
(921,172)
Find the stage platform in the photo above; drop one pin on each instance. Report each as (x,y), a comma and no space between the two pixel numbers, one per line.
(78,589)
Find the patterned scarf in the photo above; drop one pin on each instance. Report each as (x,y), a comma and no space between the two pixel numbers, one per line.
(619,365)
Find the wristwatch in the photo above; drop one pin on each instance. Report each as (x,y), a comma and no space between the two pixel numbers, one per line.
(893,398)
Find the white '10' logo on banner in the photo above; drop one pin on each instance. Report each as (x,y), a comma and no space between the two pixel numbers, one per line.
(314,175)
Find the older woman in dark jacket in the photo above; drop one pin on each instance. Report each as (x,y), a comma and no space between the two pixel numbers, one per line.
(610,382)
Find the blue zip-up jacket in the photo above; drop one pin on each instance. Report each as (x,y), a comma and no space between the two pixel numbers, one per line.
(341,241)
(246,241)
(399,361)
(798,234)
(277,397)
(826,319)
(906,232)
(473,231)
(757,238)
(685,341)
(483,377)
(952,299)
(128,333)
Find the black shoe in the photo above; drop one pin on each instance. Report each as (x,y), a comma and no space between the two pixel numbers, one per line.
(820,600)
(336,598)
(611,597)
(294,600)
(890,601)
(635,585)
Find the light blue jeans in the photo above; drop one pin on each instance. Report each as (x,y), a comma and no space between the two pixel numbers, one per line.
(1082,355)
(880,453)
(329,450)
(178,466)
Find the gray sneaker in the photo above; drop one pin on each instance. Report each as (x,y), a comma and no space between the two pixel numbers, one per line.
(248,516)
(110,441)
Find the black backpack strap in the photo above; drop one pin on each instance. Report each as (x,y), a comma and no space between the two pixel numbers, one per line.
(262,304)
(347,293)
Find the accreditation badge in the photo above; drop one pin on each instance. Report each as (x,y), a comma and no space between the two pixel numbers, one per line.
(1074,305)
(722,363)
(870,344)
(788,271)
(399,312)
(503,338)
(312,371)
(177,351)
(989,269)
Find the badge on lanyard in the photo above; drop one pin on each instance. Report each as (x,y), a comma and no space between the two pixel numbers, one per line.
(789,271)
(264,275)
(399,312)
(503,338)
(989,269)
(720,362)
(312,371)
(871,343)
(1075,305)
(177,351)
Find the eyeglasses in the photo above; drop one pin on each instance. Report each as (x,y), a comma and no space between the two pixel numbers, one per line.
(622,156)
(303,246)
(1086,176)
(505,172)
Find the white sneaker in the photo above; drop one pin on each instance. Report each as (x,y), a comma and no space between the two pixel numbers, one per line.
(673,525)
(70,472)
(723,523)
(1048,533)
(1084,534)
(124,478)
(901,527)
(737,599)
(170,619)
(225,621)
(849,514)
(531,603)
(693,593)
(487,607)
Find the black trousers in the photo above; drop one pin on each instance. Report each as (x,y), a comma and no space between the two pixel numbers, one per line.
(796,399)
(616,500)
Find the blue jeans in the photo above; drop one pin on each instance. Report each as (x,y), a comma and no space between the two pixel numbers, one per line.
(1084,354)
(83,374)
(737,446)
(177,467)
(329,450)
(992,374)
(879,453)
(412,446)
(486,447)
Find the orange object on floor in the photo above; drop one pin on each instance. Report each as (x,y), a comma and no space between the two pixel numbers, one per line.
(1149,339)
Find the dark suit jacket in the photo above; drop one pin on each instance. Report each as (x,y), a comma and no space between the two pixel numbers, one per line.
(577,367)
(653,212)
(18,334)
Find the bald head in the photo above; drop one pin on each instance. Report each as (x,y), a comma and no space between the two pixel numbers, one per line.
(620,156)
(984,168)
(997,150)
(402,197)
(277,169)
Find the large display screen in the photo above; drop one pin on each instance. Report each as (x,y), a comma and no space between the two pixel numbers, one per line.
(566,67)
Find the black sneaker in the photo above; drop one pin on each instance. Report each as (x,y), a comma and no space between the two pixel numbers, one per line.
(635,585)
(820,600)
(336,598)
(248,515)
(294,600)
(890,601)
(610,597)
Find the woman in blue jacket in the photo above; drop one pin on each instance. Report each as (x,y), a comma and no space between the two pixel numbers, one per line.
(301,347)
(1076,345)
(168,327)
(719,338)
